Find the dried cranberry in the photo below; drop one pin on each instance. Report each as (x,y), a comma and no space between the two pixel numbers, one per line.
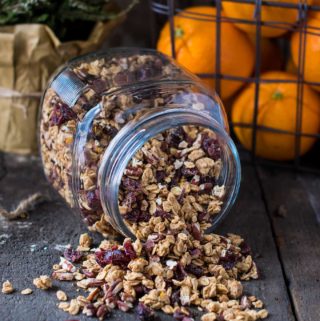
(144,313)
(163,214)
(130,184)
(160,176)
(195,253)
(207,179)
(140,290)
(89,217)
(129,250)
(61,113)
(93,199)
(176,178)
(211,147)
(179,272)
(148,246)
(129,200)
(72,255)
(245,249)
(123,78)
(110,131)
(181,196)
(189,172)
(99,85)
(175,297)
(197,271)
(164,147)
(203,217)
(136,216)
(229,260)
(115,257)
(175,137)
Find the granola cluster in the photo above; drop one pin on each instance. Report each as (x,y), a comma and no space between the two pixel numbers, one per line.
(171,184)
(168,272)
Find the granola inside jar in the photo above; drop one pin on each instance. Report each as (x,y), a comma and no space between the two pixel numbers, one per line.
(137,145)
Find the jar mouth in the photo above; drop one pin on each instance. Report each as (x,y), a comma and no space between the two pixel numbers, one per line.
(131,138)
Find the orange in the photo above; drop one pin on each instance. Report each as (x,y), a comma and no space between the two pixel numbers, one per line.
(278,20)
(277,110)
(195,45)
(312,50)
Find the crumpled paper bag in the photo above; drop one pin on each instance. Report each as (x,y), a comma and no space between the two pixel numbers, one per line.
(29,54)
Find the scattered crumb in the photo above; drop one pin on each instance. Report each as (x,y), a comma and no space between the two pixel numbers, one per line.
(61,296)
(26,291)
(7,287)
(43,282)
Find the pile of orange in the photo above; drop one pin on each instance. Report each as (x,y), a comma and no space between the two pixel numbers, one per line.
(195,49)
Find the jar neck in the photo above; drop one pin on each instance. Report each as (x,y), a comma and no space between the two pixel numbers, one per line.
(135,134)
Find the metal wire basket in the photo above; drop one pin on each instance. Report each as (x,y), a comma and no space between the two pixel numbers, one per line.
(164,10)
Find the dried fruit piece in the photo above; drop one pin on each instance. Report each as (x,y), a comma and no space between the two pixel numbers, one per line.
(61,113)
(72,255)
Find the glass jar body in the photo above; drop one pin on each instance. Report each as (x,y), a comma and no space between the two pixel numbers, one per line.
(99,111)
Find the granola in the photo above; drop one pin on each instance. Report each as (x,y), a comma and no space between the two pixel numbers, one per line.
(203,273)
(43,282)
(171,184)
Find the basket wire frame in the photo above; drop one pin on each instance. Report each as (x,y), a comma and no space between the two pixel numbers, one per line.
(168,8)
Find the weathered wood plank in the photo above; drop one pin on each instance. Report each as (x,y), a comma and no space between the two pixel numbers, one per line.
(297,232)
(29,248)
(249,218)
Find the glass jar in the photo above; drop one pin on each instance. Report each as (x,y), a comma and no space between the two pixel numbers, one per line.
(105,117)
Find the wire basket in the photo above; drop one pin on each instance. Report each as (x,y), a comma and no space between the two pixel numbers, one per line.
(165,10)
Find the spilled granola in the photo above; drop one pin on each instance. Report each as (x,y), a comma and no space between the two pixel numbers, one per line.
(171,273)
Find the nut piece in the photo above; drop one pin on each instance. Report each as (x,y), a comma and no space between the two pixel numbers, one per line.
(7,287)
(26,291)
(61,296)
(74,307)
(43,282)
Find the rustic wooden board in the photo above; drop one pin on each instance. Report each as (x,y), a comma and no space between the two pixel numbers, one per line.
(28,248)
(249,218)
(297,231)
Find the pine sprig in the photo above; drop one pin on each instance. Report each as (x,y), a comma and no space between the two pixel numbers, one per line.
(59,13)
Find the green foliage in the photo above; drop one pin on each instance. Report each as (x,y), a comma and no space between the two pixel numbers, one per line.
(58,13)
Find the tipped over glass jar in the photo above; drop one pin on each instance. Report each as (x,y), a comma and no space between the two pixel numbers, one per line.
(137,145)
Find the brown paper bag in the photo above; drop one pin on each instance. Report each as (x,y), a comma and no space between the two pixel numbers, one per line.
(29,54)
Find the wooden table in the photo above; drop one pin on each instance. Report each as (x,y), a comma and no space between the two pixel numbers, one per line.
(286,242)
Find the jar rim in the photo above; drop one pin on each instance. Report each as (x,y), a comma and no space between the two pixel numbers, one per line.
(134,135)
